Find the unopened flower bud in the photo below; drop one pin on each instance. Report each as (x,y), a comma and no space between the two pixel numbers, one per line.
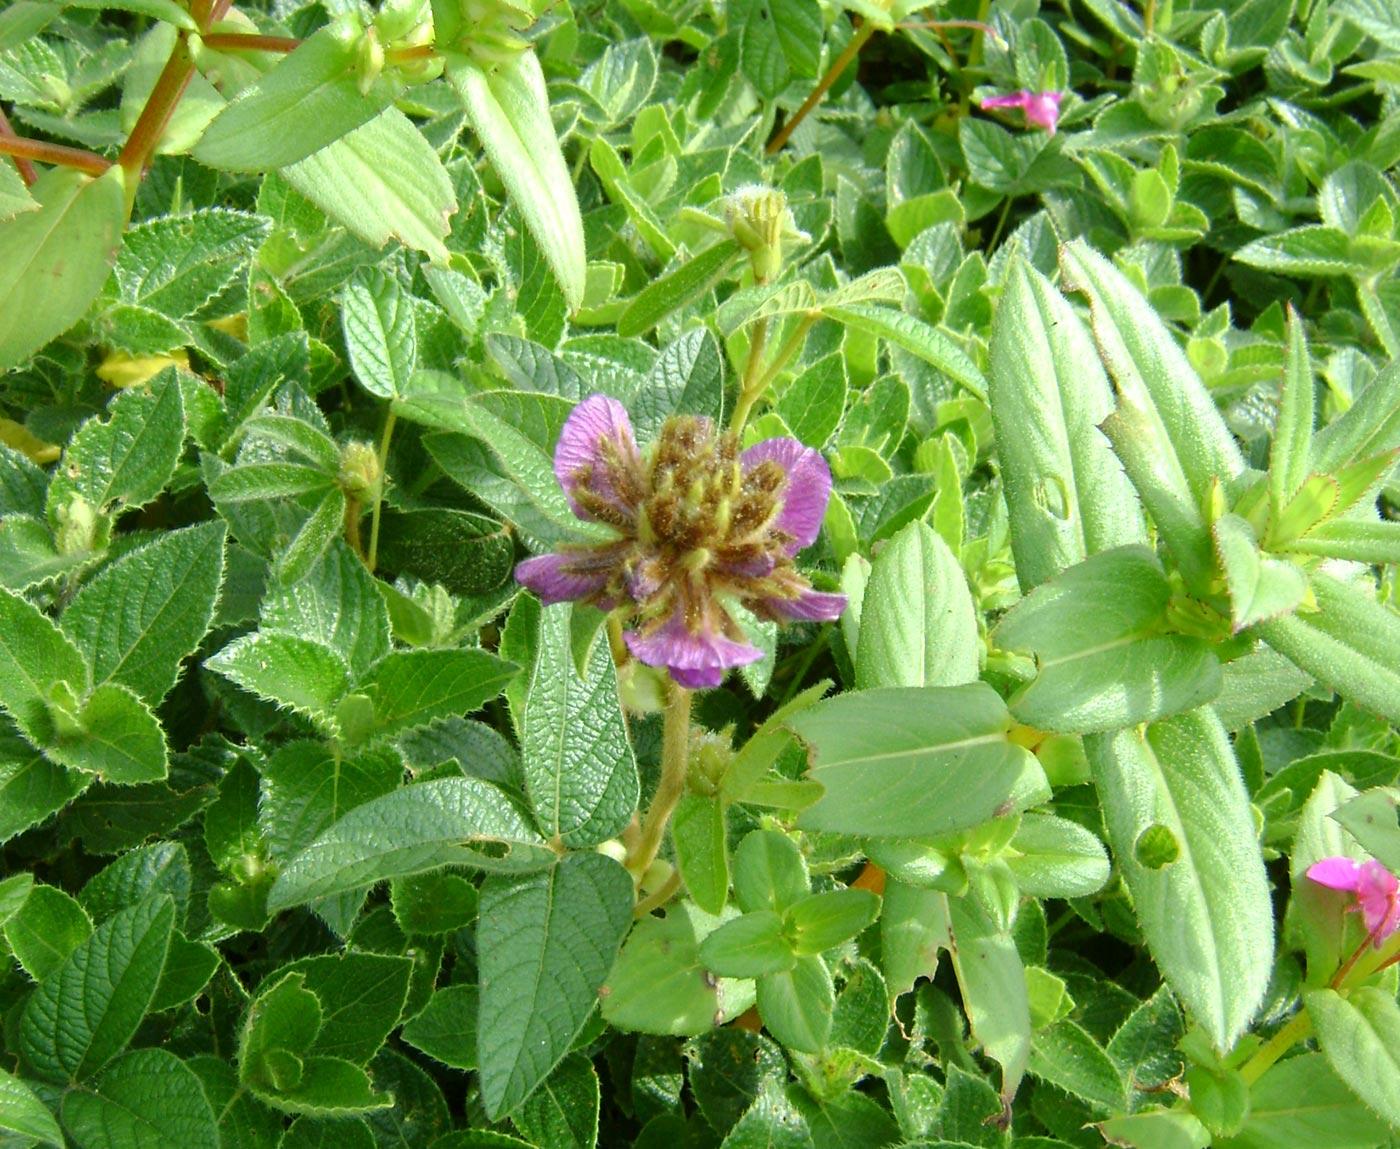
(359,474)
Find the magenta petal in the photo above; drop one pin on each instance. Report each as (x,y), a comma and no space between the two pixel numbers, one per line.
(1043,110)
(694,660)
(1336,874)
(560,577)
(595,419)
(807,491)
(810,606)
(1014,100)
(1376,892)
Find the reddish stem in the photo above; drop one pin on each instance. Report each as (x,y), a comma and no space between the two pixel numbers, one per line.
(241,42)
(23,149)
(26,169)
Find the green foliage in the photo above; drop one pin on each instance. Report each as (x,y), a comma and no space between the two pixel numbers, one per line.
(316,829)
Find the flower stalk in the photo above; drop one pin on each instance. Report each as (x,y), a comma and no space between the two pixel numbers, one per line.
(838,66)
(22,150)
(675,761)
(22,165)
(372,555)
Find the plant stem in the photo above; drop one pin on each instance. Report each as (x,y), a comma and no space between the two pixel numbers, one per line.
(372,558)
(23,149)
(659,897)
(1001,224)
(1299,1028)
(749,389)
(353,510)
(25,168)
(170,85)
(675,759)
(841,63)
(247,42)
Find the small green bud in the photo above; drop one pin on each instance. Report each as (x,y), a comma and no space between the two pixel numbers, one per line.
(81,528)
(359,475)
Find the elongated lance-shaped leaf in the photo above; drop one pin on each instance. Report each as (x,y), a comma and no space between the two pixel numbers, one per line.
(310,99)
(915,336)
(677,288)
(1370,426)
(1151,370)
(54,261)
(1360,1037)
(1065,491)
(1351,643)
(1179,821)
(993,984)
(1290,454)
(509,110)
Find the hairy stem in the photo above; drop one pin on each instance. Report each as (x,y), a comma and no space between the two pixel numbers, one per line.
(353,510)
(247,42)
(1299,1028)
(675,759)
(659,897)
(23,150)
(22,165)
(372,558)
(839,65)
(749,389)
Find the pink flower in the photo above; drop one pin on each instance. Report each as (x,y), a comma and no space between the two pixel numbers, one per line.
(697,522)
(1377,892)
(1042,109)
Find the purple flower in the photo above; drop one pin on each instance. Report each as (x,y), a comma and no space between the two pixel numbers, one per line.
(1376,889)
(697,522)
(1042,109)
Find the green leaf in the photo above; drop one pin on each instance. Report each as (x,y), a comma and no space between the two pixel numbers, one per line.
(812,404)
(381,182)
(579,770)
(310,98)
(1301,1101)
(1351,643)
(563,1112)
(361,996)
(545,944)
(1312,250)
(54,261)
(508,108)
(1360,1036)
(148,1097)
(796,1004)
(145,612)
(1206,914)
(445,1029)
(1066,493)
(1151,372)
(822,921)
(771,1122)
(175,264)
(316,534)
(918,626)
(993,983)
(306,676)
(915,761)
(417,828)
(1290,452)
(1065,1055)
(916,337)
(1052,857)
(798,24)
(913,928)
(37,657)
(658,984)
(1102,662)
(338,604)
(699,837)
(115,736)
(110,978)
(411,688)
(1259,587)
(31,787)
(1159,1129)
(376,316)
(748,946)
(43,931)
(678,288)
(258,482)
(687,379)
(770,872)
(24,1115)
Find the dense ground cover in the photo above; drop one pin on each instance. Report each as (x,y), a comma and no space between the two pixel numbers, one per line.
(771,573)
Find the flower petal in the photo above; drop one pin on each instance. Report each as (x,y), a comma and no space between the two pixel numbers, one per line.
(809,606)
(1336,874)
(694,660)
(807,491)
(1043,110)
(579,449)
(1378,894)
(562,577)
(1014,100)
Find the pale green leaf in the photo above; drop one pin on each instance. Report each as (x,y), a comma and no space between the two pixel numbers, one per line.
(147,1098)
